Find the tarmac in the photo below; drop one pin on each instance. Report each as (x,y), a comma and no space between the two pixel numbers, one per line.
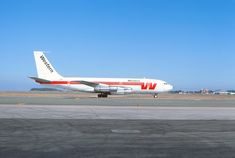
(73,126)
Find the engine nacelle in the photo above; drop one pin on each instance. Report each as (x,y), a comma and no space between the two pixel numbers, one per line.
(105,89)
(112,90)
(122,90)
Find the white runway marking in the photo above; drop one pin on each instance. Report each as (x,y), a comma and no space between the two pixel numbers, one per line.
(116,112)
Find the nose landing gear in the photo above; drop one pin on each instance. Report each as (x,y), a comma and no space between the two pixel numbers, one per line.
(155,95)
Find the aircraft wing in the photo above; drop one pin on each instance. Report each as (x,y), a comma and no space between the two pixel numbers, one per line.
(103,87)
(95,85)
(91,84)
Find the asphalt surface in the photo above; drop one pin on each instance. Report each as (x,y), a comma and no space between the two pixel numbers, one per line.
(116,127)
(116,112)
(122,101)
(116,138)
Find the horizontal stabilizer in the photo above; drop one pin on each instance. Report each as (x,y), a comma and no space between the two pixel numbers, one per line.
(39,80)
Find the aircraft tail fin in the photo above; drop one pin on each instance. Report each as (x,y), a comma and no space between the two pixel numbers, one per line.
(44,68)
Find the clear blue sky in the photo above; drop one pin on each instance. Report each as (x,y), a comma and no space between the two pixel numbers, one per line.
(188,43)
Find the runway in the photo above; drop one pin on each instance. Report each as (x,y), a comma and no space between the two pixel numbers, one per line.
(116,138)
(116,127)
(116,112)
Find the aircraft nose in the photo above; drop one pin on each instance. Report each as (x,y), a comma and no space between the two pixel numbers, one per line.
(170,87)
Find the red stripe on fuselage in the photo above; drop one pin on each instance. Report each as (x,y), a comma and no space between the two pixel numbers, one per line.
(101,82)
(144,86)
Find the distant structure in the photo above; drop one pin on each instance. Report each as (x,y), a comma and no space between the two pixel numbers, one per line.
(44,89)
(205,91)
(222,92)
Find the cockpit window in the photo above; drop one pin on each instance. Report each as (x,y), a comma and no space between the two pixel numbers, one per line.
(165,83)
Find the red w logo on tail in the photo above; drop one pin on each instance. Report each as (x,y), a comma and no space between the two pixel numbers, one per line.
(148,86)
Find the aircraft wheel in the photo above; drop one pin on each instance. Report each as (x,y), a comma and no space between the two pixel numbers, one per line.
(105,95)
(155,95)
(102,95)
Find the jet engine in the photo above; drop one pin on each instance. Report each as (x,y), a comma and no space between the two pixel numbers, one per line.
(112,89)
(105,89)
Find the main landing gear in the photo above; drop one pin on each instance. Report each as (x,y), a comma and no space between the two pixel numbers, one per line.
(155,95)
(102,95)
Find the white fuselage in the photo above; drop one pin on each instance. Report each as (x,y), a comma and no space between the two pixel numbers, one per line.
(142,86)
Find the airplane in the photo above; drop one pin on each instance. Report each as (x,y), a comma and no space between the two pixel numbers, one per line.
(48,76)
